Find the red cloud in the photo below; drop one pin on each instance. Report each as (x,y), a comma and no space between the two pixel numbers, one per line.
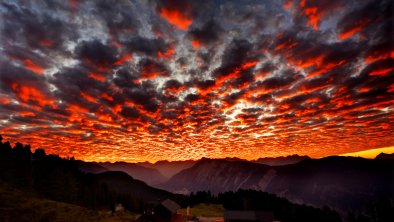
(168,54)
(196,44)
(29,93)
(176,17)
(152,70)
(357,27)
(315,11)
(124,58)
(97,77)
(33,67)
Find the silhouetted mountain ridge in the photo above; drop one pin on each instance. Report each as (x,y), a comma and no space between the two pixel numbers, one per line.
(91,167)
(160,171)
(168,168)
(385,156)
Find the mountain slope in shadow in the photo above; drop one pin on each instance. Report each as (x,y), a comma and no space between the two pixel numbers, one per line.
(385,156)
(217,176)
(22,206)
(91,167)
(149,175)
(344,183)
(124,183)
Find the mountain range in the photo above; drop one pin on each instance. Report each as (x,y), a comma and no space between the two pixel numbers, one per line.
(343,183)
(161,171)
(169,168)
(151,173)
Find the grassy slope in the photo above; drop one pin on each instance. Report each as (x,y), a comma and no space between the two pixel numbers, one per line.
(18,206)
(205,210)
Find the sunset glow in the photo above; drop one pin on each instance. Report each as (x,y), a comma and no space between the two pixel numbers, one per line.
(175,80)
(370,154)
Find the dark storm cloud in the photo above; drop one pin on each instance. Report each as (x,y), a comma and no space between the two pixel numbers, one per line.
(38,29)
(20,54)
(364,16)
(278,82)
(246,77)
(232,98)
(378,68)
(172,84)
(130,113)
(11,74)
(205,84)
(266,68)
(234,56)
(145,95)
(150,68)
(343,52)
(59,112)
(170,115)
(118,15)
(29,120)
(146,46)
(97,53)
(192,97)
(73,86)
(316,83)
(209,33)
(124,78)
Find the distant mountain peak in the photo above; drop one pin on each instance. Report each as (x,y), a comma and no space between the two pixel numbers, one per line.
(282,160)
(385,156)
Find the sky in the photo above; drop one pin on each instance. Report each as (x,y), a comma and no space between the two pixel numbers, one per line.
(148,80)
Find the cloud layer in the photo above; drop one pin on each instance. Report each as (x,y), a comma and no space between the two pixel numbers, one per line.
(149,80)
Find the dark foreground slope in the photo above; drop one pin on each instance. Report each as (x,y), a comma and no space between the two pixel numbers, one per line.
(123,183)
(344,183)
(19,206)
(252,200)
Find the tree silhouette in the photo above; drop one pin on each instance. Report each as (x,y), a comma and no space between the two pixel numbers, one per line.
(58,178)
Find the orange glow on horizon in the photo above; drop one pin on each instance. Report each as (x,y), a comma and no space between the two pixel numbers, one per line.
(371,153)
